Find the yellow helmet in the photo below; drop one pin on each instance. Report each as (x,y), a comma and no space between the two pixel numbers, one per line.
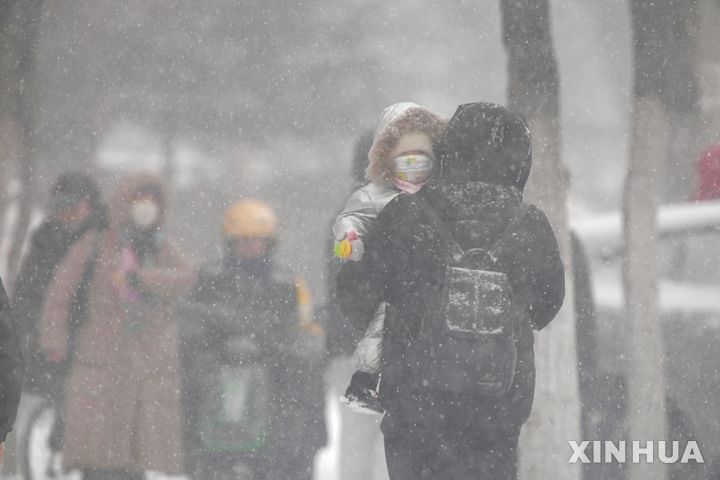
(250,218)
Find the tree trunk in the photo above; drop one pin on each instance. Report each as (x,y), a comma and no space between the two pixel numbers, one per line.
(22,222)
(8,164)
(681,95)
(533,89)
(644,373)
(19,24)
(709,69)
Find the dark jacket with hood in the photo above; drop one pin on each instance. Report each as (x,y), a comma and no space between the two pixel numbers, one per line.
(257,299)
(49,244)
(11,368)
(485,159)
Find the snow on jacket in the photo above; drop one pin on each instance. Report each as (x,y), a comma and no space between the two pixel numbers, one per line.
(484,165)
(122,396)
(11,367)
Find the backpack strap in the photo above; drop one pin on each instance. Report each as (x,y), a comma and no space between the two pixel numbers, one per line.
(518,216)
(456,252)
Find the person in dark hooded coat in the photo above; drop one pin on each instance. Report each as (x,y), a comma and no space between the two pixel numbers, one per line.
(275,430)
(485,159)
(75,207)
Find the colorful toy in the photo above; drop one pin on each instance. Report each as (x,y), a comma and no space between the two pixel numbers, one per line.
(350,247)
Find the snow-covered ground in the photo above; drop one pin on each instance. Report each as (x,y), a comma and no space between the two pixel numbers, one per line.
(326,463)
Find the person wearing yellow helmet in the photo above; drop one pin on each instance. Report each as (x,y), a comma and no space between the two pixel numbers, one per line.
(250,227)
(256,335)
(250,218)
(250,224)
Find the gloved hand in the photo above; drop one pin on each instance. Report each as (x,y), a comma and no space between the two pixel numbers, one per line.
(349,247)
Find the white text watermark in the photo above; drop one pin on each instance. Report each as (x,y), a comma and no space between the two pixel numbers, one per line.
(635,452)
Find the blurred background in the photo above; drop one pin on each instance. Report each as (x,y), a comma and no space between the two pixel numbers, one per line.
(231,98)
(235,98)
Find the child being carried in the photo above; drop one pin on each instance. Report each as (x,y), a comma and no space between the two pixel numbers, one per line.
(401,162)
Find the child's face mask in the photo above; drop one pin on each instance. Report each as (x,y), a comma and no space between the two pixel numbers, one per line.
(413,168)
(144,214)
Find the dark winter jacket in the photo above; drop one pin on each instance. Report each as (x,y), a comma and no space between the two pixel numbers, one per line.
(261,301)
(259,289)
(484,164)
(11,368)
(49,244)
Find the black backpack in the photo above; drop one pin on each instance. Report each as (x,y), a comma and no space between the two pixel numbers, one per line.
(468,339)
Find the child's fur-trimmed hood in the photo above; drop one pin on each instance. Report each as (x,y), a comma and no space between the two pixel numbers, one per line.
(397,120)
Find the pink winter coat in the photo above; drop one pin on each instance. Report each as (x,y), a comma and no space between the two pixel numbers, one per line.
(122,405)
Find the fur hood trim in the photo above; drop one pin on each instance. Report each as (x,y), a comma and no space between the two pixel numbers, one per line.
(396,121)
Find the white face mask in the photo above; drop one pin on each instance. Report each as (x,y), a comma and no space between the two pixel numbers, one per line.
(413,168)
(144,214)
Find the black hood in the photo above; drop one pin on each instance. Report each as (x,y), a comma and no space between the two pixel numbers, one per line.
(488,143)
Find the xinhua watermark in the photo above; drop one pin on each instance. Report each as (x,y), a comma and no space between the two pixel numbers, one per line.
(635,452)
